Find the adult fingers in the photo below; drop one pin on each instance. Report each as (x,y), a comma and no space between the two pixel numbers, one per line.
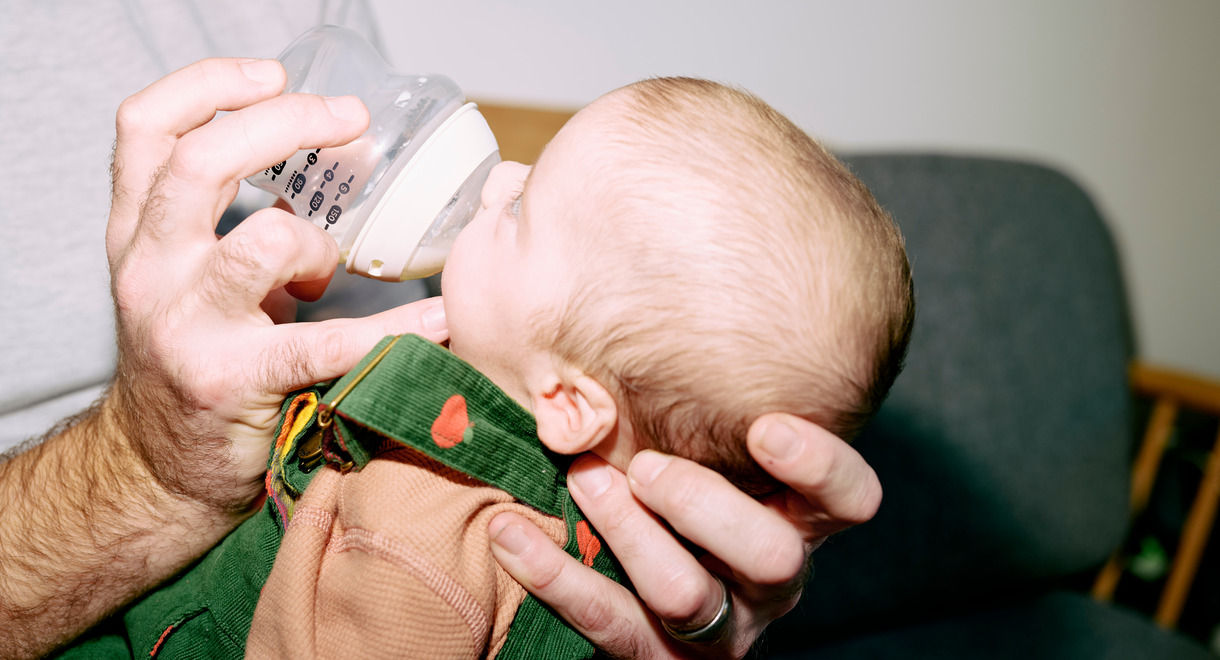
(674,585)
(308,290)
(268,250)
(603,612)
(149,123)
(193,94)
(243,142)
(206,164)
(832,486)
(280,306)
(759,545)
(308,353)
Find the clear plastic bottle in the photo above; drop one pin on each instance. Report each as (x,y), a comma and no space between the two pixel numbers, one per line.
(395,198)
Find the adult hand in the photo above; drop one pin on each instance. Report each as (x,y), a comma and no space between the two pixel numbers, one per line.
(758,549)
(203,365)
(172,458)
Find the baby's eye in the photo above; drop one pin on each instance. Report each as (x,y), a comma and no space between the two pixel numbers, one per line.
(514,204)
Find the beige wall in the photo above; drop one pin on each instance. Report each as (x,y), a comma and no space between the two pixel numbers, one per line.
(1124,95)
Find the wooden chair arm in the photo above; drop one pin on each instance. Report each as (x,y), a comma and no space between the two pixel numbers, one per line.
(1188,390)
(522,131)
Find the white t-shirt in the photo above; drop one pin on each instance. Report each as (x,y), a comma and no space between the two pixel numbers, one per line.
(65,69)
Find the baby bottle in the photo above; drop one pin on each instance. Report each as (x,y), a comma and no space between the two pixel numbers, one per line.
(395,198)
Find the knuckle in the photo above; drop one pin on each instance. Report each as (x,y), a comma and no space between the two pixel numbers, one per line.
(123,287)
(278,228)
(302,109)
(332,347)
(250,250)
(213,68)
(209,389)
(191,159)
(131,115)
(620,526)
(210,73)
(684,596)
(820,470)
(778,560)
(547,575)
(683,499)
(596,616)
(868,503)
(127,297)
(614,520)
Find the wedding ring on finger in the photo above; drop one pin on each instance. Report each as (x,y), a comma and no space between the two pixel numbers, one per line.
(710,631)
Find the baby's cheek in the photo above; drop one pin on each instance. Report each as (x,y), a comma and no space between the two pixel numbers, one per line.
(455,263)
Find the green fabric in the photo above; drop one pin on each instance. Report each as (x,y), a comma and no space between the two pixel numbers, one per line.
(404,395)
(206,611)
(401,399)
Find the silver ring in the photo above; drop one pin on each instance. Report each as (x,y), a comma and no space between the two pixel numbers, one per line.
(710,631)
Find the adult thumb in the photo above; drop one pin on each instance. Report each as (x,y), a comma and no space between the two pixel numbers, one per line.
(309,353)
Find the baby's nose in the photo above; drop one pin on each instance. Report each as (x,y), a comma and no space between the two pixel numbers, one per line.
(505,179)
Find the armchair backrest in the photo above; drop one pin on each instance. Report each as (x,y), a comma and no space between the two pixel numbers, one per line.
(1004,447)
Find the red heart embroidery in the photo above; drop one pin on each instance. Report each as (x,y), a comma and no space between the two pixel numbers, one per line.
(452,425)
(587,543)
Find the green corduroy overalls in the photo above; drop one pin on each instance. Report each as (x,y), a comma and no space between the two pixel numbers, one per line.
(404,384)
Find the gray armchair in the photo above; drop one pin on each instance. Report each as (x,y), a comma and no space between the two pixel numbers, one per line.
(1005,446)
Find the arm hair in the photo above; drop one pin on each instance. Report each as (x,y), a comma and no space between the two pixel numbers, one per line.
(84,529)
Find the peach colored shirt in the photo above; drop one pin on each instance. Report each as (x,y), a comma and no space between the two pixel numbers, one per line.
(393,560)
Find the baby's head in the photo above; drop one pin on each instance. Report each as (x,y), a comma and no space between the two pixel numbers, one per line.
(681,260)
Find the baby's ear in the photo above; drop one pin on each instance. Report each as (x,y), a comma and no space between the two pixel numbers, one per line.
(574,412)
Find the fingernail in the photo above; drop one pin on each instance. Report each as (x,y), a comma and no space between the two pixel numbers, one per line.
(261,71)
(592,481)
(780,441)
(646,466)
(347,108)
(512,538)
(433,319)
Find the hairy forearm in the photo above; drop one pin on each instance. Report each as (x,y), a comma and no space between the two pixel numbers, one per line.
(84,529)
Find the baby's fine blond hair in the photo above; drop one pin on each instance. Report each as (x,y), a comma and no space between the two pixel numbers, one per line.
(728,267)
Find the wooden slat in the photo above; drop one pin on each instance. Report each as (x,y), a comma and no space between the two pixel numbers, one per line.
(523,131)
(1143,476)
(1107,580)
(1149,460)
(1194,539)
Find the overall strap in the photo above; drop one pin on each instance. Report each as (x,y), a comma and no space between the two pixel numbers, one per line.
(458,418)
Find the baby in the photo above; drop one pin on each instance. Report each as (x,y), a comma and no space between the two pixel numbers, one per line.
(681,260)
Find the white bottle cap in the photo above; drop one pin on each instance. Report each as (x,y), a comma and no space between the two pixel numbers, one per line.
(387,245)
